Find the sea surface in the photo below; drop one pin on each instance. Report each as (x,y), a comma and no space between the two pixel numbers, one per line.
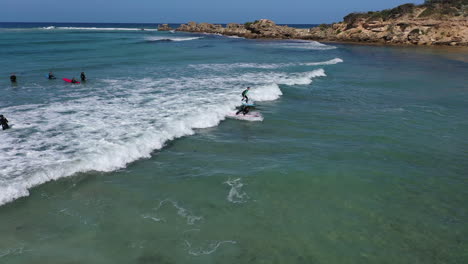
(361,154)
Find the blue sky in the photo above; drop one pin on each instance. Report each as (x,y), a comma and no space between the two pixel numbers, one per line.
(215,11)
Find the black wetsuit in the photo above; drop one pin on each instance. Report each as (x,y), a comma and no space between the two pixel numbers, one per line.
(244,109)
(51,76)
(73,81)
(4,123)
(83,77)
(13,78)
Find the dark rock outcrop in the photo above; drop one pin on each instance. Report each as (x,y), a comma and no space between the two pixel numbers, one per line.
(164,27)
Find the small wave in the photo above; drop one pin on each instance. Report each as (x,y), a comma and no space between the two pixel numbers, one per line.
(267,92)
(234,37)
(309,45)
(226,66)
(171,38)
(330,62)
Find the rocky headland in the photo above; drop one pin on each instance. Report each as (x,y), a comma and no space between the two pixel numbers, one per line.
(437,22)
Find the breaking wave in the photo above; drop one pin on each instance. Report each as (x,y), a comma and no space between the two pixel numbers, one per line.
(124,121)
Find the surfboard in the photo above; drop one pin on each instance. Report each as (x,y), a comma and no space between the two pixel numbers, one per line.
(252,104)
(251,116)
(69,81)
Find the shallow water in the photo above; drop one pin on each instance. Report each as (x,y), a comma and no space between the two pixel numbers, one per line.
(361,156)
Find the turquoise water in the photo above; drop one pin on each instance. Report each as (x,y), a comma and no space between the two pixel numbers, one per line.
(361,156)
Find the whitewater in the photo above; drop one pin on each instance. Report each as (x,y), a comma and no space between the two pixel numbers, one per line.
(120,120)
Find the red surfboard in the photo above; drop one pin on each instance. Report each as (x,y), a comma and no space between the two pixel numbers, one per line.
(68,80)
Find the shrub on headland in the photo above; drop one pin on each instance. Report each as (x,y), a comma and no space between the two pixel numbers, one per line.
(433,8)
(384,14)
(454,3)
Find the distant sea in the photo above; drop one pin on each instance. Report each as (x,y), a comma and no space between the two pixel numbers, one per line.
(360,155)
(17,25)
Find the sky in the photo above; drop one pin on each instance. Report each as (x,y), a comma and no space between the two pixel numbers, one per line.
(182,11)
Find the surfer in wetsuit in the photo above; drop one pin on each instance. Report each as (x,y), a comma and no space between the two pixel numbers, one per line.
(13,78)
(244,95)
(83,77)
(244,109)
(4,122)
(73,80)
(51,76)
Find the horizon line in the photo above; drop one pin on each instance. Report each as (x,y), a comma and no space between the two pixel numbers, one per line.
(150,22)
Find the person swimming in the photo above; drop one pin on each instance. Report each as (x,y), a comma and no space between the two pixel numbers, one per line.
(73,80)
(244,95)
(4,122)
(51,76)
(244,109)
(13,78)
(83,76)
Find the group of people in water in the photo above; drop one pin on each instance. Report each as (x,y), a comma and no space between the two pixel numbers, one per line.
(51,76)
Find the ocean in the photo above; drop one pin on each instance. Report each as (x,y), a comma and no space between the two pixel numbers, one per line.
(361,154)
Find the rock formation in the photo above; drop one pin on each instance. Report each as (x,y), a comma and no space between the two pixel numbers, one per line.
(164,27)
(434,23)
(437,22)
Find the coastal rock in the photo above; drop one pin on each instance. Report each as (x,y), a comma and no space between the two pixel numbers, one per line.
(434,23)
(164,27)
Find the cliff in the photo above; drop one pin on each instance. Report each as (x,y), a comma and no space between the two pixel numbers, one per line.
(437,22)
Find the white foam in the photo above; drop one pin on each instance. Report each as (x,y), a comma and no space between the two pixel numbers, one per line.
(330,62)
(125,120)
(226,66)
(171,38)
(13,251)
(182,212)
(210,248)
(234,37)
(152,218)
(251,116)
(236,195)
(300,44)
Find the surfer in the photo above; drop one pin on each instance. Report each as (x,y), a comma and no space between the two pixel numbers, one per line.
(244,95)
(244,109)
(13,78)
(83,77)
(51,76)
(73,80)
(4,122)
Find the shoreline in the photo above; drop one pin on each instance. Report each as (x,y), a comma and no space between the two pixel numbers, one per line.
(433,23)
(363,43)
